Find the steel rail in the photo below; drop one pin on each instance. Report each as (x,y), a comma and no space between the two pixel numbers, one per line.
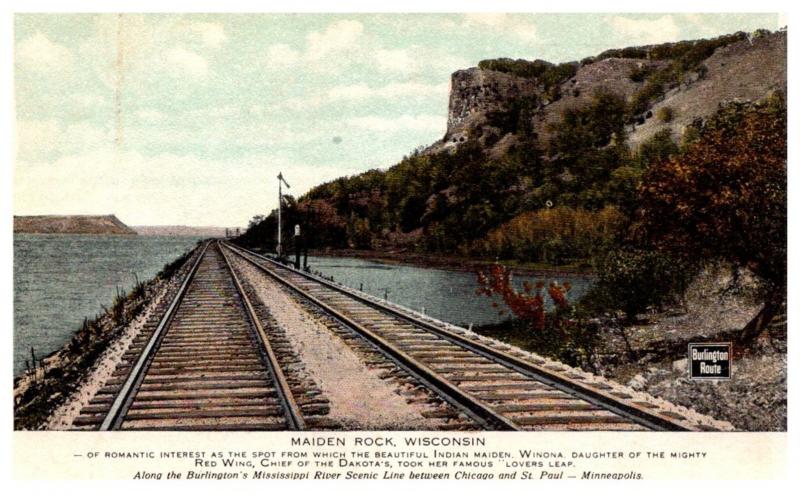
(596,396)
(479,411)
(294,417)
(122,402)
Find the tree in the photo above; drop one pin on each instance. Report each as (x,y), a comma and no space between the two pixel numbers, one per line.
(725,198)
(256,220)
(633,279)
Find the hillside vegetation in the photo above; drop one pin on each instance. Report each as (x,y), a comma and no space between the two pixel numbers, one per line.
(640,216)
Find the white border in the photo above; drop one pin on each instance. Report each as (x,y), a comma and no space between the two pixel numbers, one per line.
(6,111)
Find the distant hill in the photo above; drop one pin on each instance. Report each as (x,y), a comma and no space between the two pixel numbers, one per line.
(529,140)
(71,224)
(199,231)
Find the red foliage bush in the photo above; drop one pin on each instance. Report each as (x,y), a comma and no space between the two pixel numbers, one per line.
(528,304)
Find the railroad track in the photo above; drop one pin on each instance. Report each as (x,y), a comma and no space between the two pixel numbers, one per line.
(207,365)
(497,389)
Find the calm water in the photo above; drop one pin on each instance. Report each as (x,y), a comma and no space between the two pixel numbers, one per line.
(60,279)
(446,295)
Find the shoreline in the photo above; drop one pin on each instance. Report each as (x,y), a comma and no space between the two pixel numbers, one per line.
(41,233)
(449,262)
(60,375)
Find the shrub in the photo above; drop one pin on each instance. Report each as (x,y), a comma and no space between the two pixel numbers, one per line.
(519,67)
(658,148)
(558,333)
(632,279)
(547,73)
(725,196)
(665,114)
(639,74)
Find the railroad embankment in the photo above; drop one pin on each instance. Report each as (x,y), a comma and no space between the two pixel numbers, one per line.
(650,355)
(715,309)
(57,379)
(62,391)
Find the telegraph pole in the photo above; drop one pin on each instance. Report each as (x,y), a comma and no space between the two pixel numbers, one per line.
(281,181)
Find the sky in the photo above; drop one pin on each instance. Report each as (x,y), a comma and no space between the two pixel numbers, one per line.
(187,119)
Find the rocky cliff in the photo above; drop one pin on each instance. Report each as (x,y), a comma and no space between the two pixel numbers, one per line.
(71,224)
(525,138)
(474,93)
(746,69)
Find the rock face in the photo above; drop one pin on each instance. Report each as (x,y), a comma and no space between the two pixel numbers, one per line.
(475,92)
(746,70)
(71,224)
(609,75)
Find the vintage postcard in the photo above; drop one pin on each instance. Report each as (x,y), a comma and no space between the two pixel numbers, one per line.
(400,246)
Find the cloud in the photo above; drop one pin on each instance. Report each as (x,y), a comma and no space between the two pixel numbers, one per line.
(143,48)
(516,25)
(416,60)
(212,33)
(150,115)
(359,92)
(404,122)
(256,110)
(38,53)
(282,55)
(105,180)
(395,61)
(44,139)
(89,101)
(394,90)
(35,137)
(183,62)
(215,129)
(646,31)
(494,20)
(322,49)
(205,114)
(337,36)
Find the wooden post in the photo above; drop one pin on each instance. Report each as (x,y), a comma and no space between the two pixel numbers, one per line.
(305,240)
(297,240)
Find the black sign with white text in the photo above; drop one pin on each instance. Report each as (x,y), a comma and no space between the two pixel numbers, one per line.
(710,360)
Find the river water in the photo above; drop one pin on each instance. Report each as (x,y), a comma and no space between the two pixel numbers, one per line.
(445,294)
(61,279)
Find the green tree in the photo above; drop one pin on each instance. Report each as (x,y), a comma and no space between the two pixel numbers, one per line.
(725,198)
(633,279)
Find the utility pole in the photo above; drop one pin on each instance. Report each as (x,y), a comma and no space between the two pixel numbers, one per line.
(281,181)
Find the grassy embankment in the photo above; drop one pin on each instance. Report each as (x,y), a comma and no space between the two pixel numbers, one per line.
(48,383)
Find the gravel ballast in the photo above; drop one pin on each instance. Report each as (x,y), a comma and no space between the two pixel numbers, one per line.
(359,398)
